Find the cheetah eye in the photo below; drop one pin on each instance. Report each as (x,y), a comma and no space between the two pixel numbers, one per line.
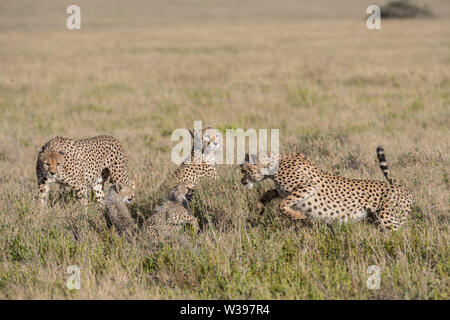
(207,138)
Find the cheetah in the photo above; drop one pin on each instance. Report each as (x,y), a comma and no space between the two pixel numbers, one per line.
(199,165)
(309,192)
(116,212)
(201,162)
(81,164)
(169,217)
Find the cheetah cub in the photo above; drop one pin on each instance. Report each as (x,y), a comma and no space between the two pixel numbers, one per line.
(81,164)
(201,163)
(116,213)
(169,217)
(309,192)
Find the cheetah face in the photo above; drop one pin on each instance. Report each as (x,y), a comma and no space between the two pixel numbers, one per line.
(251,175)
(126,192)
(53,164)
(209,140)
(182,193)
(260,167)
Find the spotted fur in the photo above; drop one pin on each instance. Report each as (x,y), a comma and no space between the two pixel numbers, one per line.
(174,213)
(167,218)
(81,164)
(202,161)
(309,192)
(199,165)
(116,213)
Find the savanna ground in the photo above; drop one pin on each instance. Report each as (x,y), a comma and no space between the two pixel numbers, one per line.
(138,71)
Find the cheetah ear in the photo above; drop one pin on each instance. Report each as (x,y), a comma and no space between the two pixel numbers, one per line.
(118,187)
(193,134)
(269,167)
(197,139)
(270,171)
(251,159)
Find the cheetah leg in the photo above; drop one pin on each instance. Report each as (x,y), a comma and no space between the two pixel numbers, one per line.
(386,218)
(82,195)
(99,194)
(192,221)
(394,211)
(299,194)
(62,188)
(44,189)
(286,207)
(266,198)
(185,219)
(150,231)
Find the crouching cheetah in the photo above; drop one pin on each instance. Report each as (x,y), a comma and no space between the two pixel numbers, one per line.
(172,215)
(309,192)
(167,219)
(81,164)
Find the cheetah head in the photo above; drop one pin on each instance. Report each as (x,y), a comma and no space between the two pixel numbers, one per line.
(125,191)
(52,162)
(210,139)
(251,175)
(182,193)
(258,169)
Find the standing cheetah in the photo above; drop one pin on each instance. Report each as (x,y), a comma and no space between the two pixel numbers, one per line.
(81,164)
(309,192)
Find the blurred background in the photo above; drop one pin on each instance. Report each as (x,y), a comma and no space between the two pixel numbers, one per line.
(119,14)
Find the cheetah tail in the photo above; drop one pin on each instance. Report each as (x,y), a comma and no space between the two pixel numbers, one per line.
(383,164)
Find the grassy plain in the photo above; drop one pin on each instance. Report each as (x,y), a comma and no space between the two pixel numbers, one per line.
(334,89)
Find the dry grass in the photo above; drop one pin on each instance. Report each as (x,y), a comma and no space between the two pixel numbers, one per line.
(334,89)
